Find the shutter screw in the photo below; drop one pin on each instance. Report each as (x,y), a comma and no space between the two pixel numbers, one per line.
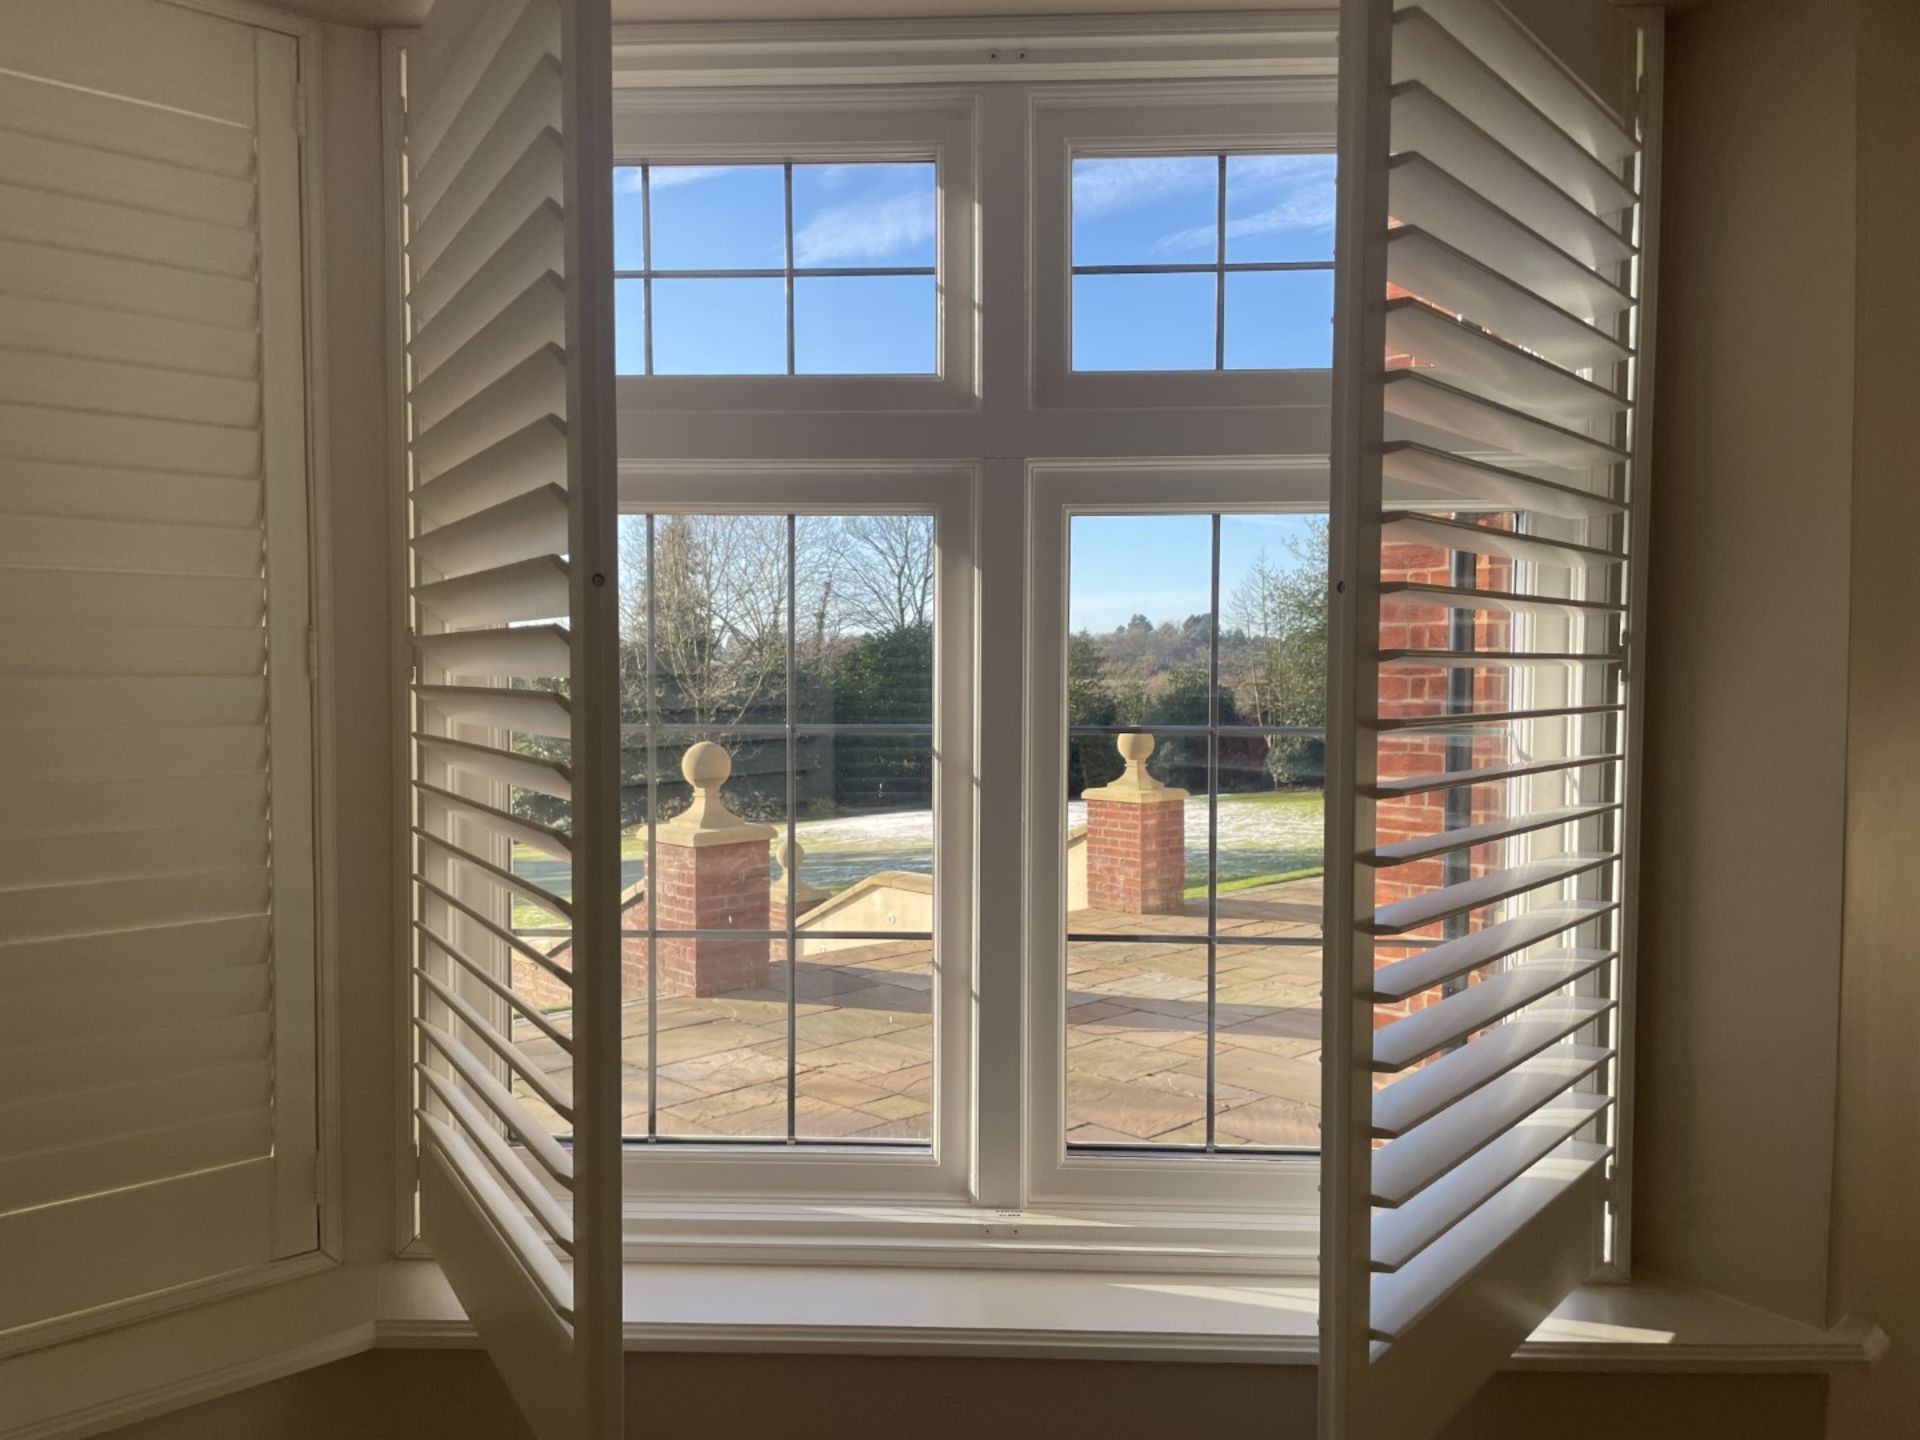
(599,580)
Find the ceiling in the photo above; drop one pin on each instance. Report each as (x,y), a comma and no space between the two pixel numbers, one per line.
(383,13)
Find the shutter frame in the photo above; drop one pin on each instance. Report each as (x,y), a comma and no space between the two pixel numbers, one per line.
(1473,1146)
(510,561)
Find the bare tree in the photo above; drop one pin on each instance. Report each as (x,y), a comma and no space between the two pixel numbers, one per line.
(885,572)
(1280,612)
(719,614)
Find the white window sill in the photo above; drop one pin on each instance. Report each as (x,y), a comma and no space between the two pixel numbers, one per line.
(1163,1315)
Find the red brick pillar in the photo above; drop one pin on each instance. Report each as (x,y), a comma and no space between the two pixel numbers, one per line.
(713,876)
(805,896)
(1136,839)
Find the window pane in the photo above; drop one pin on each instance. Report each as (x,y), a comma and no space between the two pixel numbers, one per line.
(704,606)
(718,217)
(865,325)
(1156,210)
(629,327)
(1143,322)
(1202,827)
(1280,320)
(1279,207)
(1136,1043)
(861,215)
(1138,616)
(629,234)
(865,592)
(1267,1044)
(719,327)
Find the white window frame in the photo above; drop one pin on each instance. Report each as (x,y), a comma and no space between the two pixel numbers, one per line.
(706,93)
(723,1171)
(1281,1185)
(760,127)
(1192,118)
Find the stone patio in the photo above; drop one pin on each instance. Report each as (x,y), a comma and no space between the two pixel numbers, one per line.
(1136,1036)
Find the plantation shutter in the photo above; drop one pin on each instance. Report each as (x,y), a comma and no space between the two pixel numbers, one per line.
(157,1080)
(1488,459)
(508,232)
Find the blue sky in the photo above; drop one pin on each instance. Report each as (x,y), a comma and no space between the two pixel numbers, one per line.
(1120,566)
(1131,210)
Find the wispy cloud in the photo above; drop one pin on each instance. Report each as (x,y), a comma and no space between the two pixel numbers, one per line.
(1298,190)
(1104,187)
(665,177)
(870,230)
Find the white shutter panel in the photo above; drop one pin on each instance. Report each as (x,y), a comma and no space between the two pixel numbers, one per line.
(512,710)
(157,1086)
(1489,453)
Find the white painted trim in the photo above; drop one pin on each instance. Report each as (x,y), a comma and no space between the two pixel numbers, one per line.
(1023,48)
(198,1389)
(808,1309)
(405,1218)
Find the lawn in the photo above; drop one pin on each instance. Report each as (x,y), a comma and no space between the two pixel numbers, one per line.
(1265,837)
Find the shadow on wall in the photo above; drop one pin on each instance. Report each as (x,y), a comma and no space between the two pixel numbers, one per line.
(456,1395)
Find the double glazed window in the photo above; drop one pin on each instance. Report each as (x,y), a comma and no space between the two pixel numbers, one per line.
(776,269)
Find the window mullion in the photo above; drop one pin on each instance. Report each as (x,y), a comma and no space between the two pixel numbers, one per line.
(646,301)
(786,172)
(1219,349)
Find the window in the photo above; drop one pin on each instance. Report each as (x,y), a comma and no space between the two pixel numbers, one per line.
(1202,262)
(1182,246)
(795,251)
(1175,798)
(796,269)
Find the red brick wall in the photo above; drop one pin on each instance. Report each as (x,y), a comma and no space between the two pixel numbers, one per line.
(711,887)
(1422,690)
(1136,856)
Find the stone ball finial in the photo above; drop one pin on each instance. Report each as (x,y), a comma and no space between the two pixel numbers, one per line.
(1135,746)
(789,856)
(706,765)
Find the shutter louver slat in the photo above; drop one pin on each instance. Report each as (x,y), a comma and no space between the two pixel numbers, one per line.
(535,1196)
(1423,121)
(508,1053)
(1425,196)
(507,1109)
(1413,1162)
(526,652)
(507,229)
(531,44)
(1426,51)
(1458,483)
(529,772)
(1413,395)
(501,1209)
(1451,959)
(1457,1016)
(529,525)
(532,712)
(114,284)
(513,594)
(1471,359)
(1427,266)
(1489,467)
(1399,1235)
